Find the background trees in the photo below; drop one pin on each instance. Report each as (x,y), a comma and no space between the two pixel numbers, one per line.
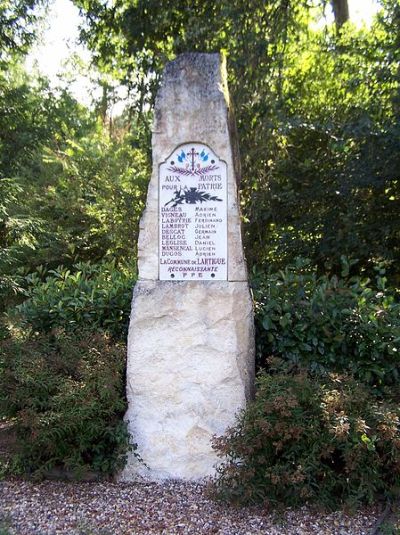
(70,190)
(318,122)
(17,26)
(317,115)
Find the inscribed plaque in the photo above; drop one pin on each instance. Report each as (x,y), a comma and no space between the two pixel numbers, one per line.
(193,215)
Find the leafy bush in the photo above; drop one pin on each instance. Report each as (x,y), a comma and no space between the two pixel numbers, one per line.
(329,323)
(66,394)
(95,296)
(329,441)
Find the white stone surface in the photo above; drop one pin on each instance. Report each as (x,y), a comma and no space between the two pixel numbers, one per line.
(191,343)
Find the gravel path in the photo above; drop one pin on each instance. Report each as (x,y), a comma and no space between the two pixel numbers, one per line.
(51,508)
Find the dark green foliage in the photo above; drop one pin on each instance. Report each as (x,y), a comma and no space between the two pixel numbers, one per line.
(329,184)
(72,185)
(32,118)
(71,189)
(18,19)
(99,194)
(305,439)
(65,395)
(318,116)
(135,41)
(329,323)
(340,198)
(324,426)
(91,296)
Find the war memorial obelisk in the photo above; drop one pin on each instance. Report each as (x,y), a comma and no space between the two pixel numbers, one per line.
(191,336)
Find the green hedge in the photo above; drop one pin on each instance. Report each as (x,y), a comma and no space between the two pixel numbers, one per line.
(306,439)
(92,296)
(329,323)
(65,394)
(324,426)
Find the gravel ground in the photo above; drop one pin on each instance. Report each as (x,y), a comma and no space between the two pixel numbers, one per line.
(148,508)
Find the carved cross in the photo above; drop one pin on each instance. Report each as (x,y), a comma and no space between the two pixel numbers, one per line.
(193,155)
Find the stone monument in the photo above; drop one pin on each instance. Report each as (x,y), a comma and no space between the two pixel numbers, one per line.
(191,336)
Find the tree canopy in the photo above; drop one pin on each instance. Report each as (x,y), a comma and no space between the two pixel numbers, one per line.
(317,114)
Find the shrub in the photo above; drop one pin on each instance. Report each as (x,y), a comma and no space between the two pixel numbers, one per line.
(341,324)
(329,441)
(94,296)
(65,393)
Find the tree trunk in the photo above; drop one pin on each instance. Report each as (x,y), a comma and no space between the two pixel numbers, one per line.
(341,12)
